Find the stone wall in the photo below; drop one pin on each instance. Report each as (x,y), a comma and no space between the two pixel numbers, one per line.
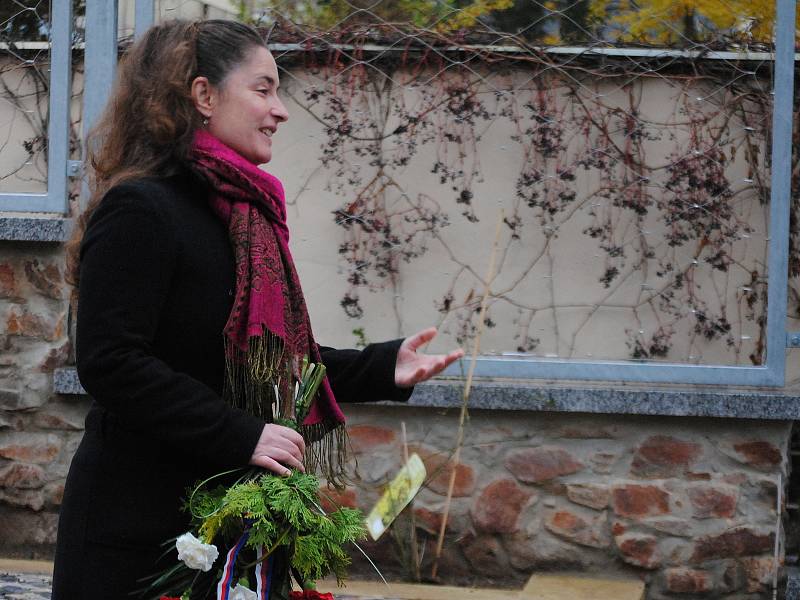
(688,505)
(39,430)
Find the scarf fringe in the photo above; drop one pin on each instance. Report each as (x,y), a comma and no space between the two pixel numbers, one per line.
(251,379)
(252,375)
(326,452)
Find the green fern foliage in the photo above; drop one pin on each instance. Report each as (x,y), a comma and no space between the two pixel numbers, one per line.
(281,511)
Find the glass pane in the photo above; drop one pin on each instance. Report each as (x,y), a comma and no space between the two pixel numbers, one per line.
(24,85)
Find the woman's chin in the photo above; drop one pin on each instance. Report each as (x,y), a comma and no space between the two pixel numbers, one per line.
(262,156)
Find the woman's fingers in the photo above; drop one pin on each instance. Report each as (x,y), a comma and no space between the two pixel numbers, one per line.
(288,459)
(265,462)
(293,438)
(453,357)
(420,338)
(278,448)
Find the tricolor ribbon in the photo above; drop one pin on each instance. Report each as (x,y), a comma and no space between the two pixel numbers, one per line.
(263,575)
(263,570)
(224,586)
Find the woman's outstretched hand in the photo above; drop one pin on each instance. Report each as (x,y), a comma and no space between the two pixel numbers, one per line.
(413,367)
(278,448)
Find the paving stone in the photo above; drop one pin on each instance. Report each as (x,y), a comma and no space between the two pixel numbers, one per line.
(25,586)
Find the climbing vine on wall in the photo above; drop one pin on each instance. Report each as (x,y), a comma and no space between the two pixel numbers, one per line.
(666,202)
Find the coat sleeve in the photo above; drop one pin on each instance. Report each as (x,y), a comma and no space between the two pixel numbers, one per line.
(128,257)
(364,375)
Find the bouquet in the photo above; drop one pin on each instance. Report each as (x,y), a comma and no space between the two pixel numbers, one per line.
(250,540)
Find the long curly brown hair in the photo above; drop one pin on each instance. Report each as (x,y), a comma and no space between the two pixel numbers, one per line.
(147,126)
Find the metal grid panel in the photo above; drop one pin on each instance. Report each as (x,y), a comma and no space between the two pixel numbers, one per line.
(101,36)
(56,198)
(773,372)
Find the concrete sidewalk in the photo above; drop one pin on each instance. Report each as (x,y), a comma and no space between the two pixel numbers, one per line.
(31,580)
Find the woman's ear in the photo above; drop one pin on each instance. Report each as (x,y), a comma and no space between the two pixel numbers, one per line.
(204,96)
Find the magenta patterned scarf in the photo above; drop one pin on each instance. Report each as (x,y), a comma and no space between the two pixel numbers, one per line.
(268,331)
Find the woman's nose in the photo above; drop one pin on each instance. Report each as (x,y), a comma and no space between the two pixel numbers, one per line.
(279,111)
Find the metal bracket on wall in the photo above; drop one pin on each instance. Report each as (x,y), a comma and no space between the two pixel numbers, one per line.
(793,339)
(74,168)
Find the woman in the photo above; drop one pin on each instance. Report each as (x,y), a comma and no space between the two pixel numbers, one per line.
(190,315)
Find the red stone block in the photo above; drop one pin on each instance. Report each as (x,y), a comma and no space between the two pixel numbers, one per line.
(368,438)
(428,520)
(664,456)
(759,454)
(27,324)
(46,279)
(532,465)
(41,452)
(730,544)
(638,550)
(45,420)
(332,499)
(633,500)
(499,506)
(687,581)
(572,527)
(8,281)
(712,501)
(438,466)
(57,357)
(22,476)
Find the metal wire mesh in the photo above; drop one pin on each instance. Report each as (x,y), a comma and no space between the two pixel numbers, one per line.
(24,93)
(25,80)
(626,145)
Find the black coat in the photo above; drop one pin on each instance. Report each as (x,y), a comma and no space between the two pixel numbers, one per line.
(156,287)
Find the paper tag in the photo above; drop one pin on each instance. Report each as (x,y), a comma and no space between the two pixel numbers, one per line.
(400,492)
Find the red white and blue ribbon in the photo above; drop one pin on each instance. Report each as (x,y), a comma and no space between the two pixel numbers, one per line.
(224,586)
(263,575)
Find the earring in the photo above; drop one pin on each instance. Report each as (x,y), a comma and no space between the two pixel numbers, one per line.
(205,121)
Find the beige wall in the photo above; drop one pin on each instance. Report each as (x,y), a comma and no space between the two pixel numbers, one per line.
(176,9)
(552,288)
(563,286)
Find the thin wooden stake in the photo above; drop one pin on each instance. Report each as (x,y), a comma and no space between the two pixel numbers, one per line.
(413,535)
(467,387)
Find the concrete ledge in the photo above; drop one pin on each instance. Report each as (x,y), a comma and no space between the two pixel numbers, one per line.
(34,227)
(65,381)
(540,396)
(683,401)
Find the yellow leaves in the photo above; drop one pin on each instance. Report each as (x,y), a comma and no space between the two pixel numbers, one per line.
(468,16)
(551,39)
(670,21)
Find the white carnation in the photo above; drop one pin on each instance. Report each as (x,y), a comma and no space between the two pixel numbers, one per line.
(242,593)
(194,553)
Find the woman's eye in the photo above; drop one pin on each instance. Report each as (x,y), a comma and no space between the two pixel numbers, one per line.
(263,91)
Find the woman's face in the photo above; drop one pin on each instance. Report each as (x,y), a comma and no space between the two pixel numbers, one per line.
(245,109)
